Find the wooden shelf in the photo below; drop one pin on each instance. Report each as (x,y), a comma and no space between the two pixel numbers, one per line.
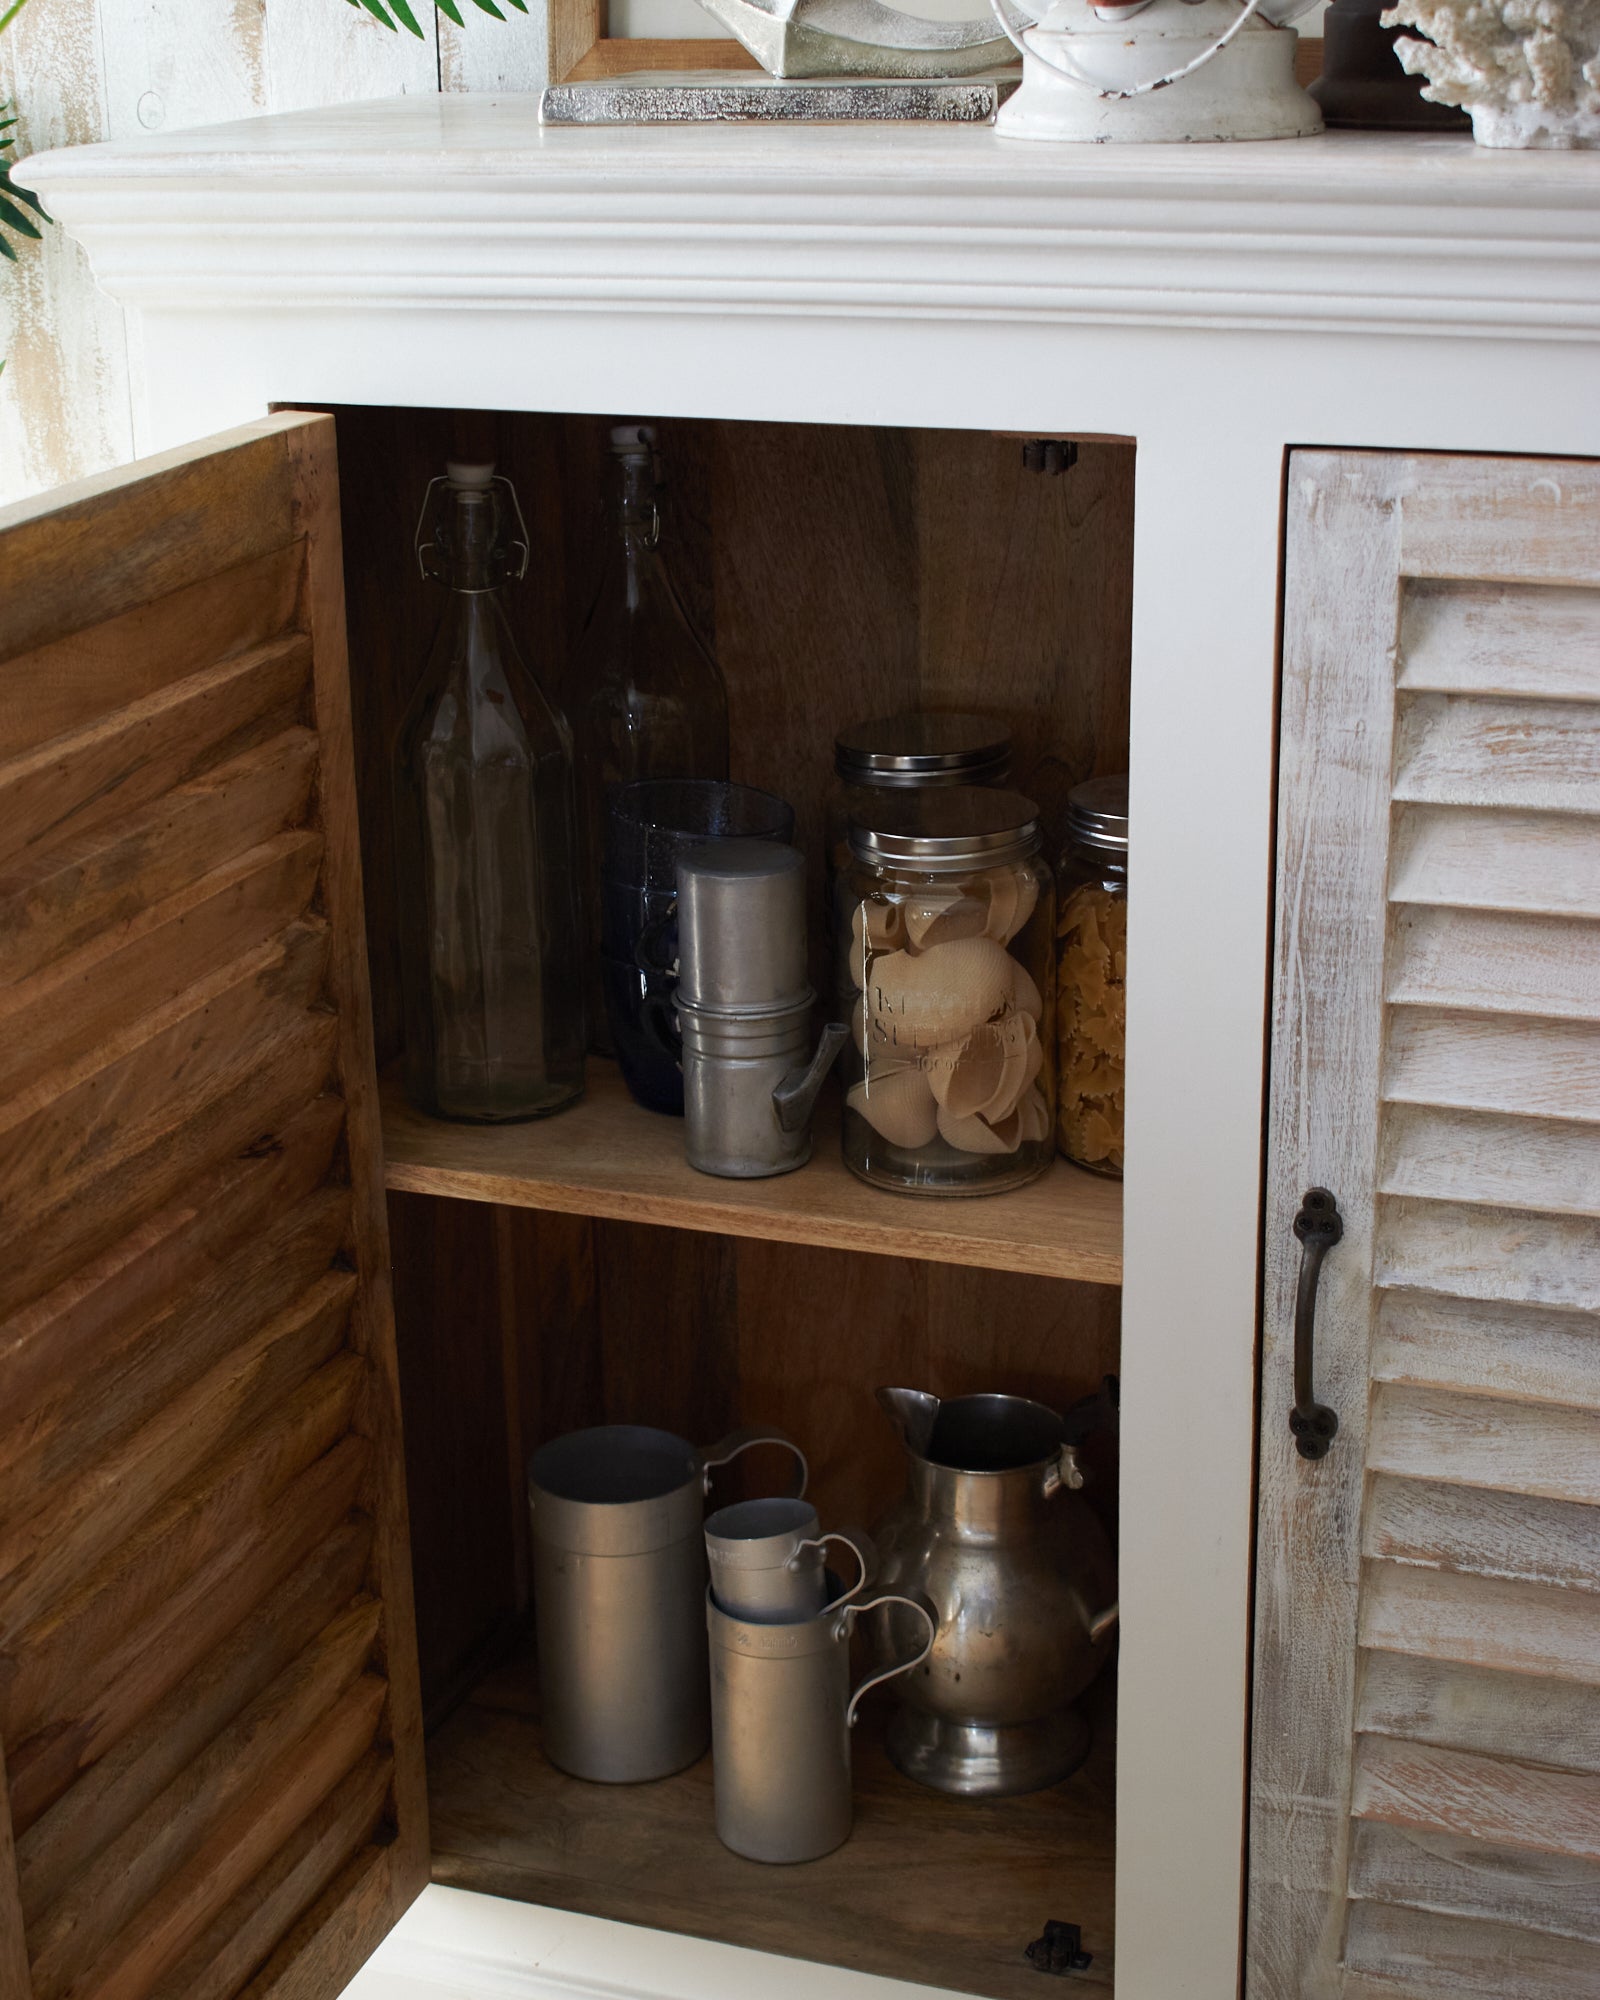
(945,1891)
(608,1158)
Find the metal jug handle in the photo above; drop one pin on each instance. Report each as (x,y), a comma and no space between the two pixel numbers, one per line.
(1063,1474)
(852,1612)
(861,1546)
(726,1449)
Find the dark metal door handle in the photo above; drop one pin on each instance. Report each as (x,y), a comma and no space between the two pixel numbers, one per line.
(1319,1226)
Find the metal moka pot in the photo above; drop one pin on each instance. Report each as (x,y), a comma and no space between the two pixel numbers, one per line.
(782,1712)
(992,1534)
(750,1073)
(619,1582)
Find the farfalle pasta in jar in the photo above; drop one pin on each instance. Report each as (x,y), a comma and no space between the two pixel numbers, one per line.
(947,921)
(1091,998)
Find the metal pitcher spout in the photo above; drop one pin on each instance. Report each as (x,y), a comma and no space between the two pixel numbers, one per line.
(795,1097)
(913,1412)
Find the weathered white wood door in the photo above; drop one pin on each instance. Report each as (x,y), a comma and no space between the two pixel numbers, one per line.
(1426,1762)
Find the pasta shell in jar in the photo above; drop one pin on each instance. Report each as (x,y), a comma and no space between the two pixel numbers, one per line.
(946,922)
(1091,965)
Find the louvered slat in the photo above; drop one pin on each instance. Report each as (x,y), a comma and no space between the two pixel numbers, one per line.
(207,1670)
(1487,1062)
(1500,638)
(1483,1533)
(1468,1708)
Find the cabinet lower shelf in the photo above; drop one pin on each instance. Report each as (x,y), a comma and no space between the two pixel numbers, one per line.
(947,1892)
(608,1158)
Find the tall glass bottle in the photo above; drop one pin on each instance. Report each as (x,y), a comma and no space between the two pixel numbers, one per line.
(648,697)
(486,837)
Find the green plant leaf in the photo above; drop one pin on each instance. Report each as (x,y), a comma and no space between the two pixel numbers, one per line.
(451,11)
(489,7)
(405,17)
(18,219)
(378,12)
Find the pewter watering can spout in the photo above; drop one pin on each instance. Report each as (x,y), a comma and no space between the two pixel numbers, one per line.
(913,1412)
(795,1097)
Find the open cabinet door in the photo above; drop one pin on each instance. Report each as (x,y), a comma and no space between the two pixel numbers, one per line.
(208,1703)
(1426,1769)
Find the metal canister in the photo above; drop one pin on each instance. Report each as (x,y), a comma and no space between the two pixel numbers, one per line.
(768,1560)
(782,1712)
(619,1573)
(750,1075)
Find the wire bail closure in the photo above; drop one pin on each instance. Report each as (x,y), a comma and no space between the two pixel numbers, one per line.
(518,547)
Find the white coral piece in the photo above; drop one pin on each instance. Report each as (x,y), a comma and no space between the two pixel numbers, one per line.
(1527,70)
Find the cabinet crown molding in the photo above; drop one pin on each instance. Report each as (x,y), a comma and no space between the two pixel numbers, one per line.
(423,204)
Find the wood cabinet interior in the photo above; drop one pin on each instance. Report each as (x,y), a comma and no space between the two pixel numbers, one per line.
(840,573)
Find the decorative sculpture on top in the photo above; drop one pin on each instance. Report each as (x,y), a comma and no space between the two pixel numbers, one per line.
(858,38)
(1527,70)
(1102,70)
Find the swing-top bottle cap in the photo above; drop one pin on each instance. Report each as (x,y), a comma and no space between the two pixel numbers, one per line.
(633,440)
(475,476)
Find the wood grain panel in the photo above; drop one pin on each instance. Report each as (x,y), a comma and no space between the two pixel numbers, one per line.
(1534,862)
(80,1001)
(1395,1951)
(1482,750)
(244,1844)
(90,1717)
(200,1635)
(60,902)
(295,1073)
(134,1866)
(1509,1162)
(103,547)
(1521,1628)
(1467,1708)
(142,1764)
(1486,1253)
(1533,1448)
(92,776)
(79,1524)
(1500,638)
(44,1348)
(1423,1787)
(1507,1351)
(1458,518)
(240,1488)
(1473,1878)
(1501,963)
(101,667)
(142,1366)
(1542,1069)
(222,1958)
(1485,1533)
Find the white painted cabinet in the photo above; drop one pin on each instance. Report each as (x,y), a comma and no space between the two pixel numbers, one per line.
(1426,1772)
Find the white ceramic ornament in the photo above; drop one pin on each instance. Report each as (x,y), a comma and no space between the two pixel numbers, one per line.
(1528,71)
(1156,70)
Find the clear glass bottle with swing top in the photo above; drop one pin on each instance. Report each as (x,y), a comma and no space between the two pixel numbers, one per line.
(485,836)
(648,697)
(946,918)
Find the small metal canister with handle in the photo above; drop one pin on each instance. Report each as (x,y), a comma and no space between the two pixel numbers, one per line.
(782,1712)
(619,1574)
(767,1560)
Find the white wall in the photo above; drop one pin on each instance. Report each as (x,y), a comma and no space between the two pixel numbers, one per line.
(80,70)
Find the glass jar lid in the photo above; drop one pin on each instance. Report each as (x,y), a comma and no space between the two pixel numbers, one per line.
(947,828)
(909,750)
(1097,814)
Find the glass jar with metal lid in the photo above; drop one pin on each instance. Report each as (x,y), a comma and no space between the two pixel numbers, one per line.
(904,753)
(946,918)
(1091,1001)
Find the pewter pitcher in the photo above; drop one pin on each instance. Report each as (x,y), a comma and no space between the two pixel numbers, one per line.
(619,1579)
(782,1714)
(992,1534)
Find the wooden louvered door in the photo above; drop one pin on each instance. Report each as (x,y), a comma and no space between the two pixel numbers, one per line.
(208,1704)
(1426,1767)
